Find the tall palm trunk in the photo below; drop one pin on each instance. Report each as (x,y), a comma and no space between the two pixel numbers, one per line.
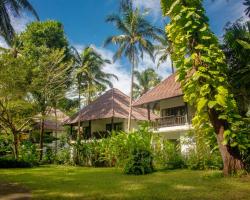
(79,110)
(89,94)
(131,92)
(172,66)
(41,136)
(56,128)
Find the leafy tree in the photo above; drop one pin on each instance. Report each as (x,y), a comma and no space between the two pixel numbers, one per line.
(16,108)
(201,70)
(49,79)
(90,76)
(238,60)
(12,7)
(45,45)
(146,79)
(134,40)
(48,33)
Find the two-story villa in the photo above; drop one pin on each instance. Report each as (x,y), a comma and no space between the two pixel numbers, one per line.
(175,115)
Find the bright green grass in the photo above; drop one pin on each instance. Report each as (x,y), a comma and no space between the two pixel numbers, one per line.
(59,182)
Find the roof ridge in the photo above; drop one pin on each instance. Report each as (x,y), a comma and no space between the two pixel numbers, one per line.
(154,88)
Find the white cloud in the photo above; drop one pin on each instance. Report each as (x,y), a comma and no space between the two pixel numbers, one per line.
(123,72)
(123,82)
(163,70)
(19,24)
(153,6)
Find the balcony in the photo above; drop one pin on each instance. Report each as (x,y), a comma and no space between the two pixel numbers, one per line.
(174,123)
(168,121)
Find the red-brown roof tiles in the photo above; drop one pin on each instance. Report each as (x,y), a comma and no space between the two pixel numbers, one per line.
(113,103)
(166,89)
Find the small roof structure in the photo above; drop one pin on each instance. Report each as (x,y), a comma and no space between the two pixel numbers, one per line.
(50,123)
(112,103)
(168,88)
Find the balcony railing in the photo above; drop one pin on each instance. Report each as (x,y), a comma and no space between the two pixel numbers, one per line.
(169,121)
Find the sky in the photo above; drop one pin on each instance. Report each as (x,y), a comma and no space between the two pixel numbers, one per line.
(84,24)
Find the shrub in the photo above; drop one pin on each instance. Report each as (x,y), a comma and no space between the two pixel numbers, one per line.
(5,144)
(140,162)
(63,156)
(49,156)
(206,160)
(28,153)
(12,163)
(168,155)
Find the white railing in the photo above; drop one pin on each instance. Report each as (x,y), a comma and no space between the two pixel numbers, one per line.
(171,121)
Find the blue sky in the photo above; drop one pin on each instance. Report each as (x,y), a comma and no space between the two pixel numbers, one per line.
(84,24)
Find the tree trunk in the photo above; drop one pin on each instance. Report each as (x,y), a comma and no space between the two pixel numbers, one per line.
(16,144)
(148,109)
(56,129)
(89,95)
(41,137)
(131,93)
(79,110)
(172,66)
(232,161)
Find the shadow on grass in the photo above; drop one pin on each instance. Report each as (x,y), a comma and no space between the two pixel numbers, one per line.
(107,183)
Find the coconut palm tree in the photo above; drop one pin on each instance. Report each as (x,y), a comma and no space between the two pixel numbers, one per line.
(237,50)
(90,75)
(134,40)
(146,80)
(164,50)
(12,7)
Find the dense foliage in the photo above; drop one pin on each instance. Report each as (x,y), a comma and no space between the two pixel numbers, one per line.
(201,70)
(236,46)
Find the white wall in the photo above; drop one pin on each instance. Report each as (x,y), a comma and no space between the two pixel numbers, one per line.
(100,124)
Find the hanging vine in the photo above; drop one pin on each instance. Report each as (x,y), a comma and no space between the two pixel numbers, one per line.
(201,70)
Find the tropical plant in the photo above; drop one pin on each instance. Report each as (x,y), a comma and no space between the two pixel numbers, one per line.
(12,7)
(146,80)
(163,50)
(236,41)
(134,40)
(201,70)
(90,76)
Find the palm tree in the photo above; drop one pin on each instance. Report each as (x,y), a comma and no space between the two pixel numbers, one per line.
(164,50)
(236,48)
(247,10)
(12,7)
(134,40)
(90,75)
(146,79)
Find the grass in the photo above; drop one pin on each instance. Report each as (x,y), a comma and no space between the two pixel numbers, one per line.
(60,182)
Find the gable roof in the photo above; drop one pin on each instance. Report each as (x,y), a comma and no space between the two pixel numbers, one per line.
(168,88)
(112,103)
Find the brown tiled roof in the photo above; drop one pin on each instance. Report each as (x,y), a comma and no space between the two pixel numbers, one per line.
(113,103)
(166,89)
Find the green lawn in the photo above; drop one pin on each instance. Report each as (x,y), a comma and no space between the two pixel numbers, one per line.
(59,182)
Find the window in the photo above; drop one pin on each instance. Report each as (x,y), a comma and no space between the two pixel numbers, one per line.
(117,127)
(175,111)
